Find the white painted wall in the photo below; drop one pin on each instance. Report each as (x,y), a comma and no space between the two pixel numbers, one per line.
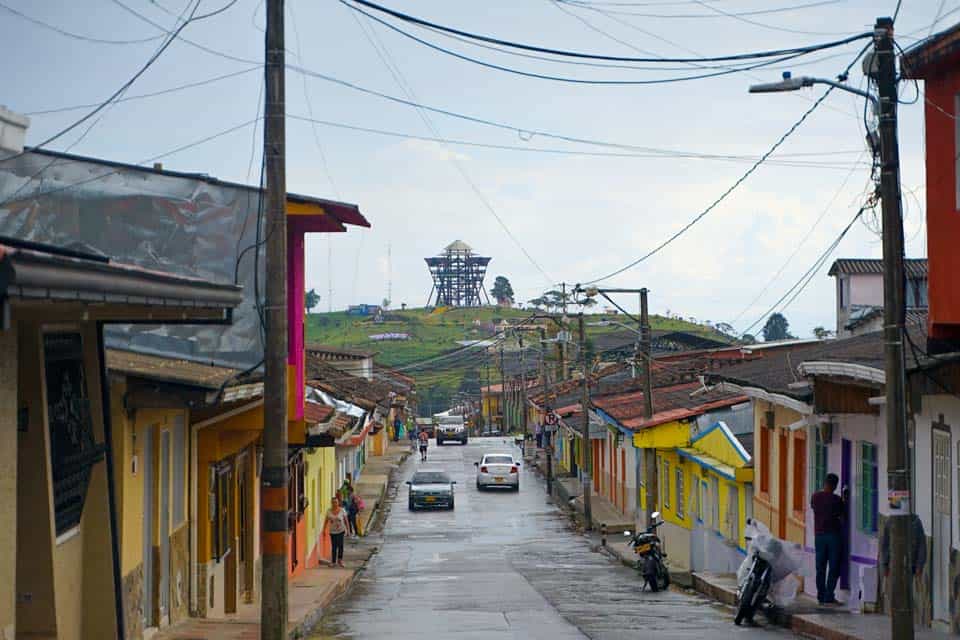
(932,407)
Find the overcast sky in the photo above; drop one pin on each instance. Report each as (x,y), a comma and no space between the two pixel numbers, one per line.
(578,216)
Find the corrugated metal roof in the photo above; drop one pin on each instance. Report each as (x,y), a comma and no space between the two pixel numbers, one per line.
(913,267)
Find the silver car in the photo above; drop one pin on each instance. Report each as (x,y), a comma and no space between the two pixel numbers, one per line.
(498,470)
(431,490)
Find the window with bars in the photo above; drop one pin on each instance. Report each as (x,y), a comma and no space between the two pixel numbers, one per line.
(818,475)
(766,451)
(702,491)
(715,503)
(681,512)
(799,474)
(867,487)
(223,479)
(665,485)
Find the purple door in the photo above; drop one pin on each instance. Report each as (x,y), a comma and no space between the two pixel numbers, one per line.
(845,462)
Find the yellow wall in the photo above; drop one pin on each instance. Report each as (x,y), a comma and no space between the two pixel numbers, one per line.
(8,481)
(663,436)
(321,483)
(767,505)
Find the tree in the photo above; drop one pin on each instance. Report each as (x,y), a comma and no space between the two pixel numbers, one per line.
(311,299)
(386,303)
(725,328)
(502,292)
(777,328)
(821,333)
(588,302)
(538,303)
(748,338)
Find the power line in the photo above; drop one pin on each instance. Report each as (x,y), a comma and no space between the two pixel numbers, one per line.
(807,276)
(754,12)
(404,86)
(129,82)
(577,54)
(70,34)
(736,184)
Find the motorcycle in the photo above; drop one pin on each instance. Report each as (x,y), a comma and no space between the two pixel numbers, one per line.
(764,577)
(649,551)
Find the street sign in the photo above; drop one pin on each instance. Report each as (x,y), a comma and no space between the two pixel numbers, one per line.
(551,419)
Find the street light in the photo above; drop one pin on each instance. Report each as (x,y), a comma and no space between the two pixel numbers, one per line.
(789,83)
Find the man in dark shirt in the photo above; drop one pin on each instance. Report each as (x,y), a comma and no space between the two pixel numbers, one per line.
(828,515)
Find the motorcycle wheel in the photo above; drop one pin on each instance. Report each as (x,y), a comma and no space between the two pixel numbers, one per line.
(651,574)
(664,578)
(745,601)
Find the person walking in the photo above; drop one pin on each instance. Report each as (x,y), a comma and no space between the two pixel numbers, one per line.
(424,441)
(337,524)
(539,431)
(829,513)
(353,508)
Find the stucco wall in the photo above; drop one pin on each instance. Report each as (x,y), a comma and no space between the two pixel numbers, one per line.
(8,481)
(767,505)
(866,289)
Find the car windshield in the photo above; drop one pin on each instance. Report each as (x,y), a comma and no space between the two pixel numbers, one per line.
(498,460)
(431,477)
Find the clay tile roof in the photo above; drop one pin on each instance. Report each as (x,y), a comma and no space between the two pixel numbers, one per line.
(913,267)
(317,413)
(328,350)
(669,403)
(354,389)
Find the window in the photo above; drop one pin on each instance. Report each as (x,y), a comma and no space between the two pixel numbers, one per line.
(917,293)
(702,490)
(220,496)
(680,502)
(179,471)
(665,484)
(296,489)
(715,505)
(766,452)
(867,489)
(844,284)
(733,513)
(799,474)
(819,475)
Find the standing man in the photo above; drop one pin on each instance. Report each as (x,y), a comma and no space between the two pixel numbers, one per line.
(828,517)
(424,439)
(539,432)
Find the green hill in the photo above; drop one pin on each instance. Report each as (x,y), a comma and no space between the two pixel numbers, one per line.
(433,333)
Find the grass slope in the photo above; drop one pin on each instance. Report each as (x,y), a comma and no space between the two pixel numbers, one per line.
(433,333)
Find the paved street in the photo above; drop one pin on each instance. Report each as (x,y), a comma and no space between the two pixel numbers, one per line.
(506,565)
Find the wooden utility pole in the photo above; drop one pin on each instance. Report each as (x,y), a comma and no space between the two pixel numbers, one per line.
(898,469)
(649,455)
(273,479)
(503,395)
(586,473)
(522,396)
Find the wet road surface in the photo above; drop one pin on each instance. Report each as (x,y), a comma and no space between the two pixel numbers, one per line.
(506,565)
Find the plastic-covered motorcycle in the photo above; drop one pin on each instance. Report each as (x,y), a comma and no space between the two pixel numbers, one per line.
(767,570)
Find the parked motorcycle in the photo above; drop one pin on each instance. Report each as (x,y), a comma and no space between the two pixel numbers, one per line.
(764,578)
(752,592)
(649,551)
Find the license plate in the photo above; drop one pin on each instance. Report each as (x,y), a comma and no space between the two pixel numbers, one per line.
(643,548)
(498,479)
(431,499)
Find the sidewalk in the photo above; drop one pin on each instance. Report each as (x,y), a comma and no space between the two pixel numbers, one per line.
(807,618)
(315,589)
(570,490)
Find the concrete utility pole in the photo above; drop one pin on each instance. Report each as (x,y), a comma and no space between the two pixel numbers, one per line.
(649,455)
(898,471)
(503,395)
(586,473)
(523,395)
(273,479)
(547,435)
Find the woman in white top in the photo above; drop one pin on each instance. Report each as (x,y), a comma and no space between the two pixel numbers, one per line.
(337,528)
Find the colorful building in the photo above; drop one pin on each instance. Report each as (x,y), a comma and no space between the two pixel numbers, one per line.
(60,551)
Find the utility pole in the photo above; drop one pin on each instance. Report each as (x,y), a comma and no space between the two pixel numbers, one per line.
(503,395)
(547,434)
(523,395)
(587,470)
(649,455)
(273,479)
(898,472)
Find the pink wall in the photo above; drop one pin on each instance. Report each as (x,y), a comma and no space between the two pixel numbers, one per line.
(295,311)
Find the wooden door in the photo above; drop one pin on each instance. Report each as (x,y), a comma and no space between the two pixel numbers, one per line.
(942,534)
(163,595)
(783,500)
(149,509)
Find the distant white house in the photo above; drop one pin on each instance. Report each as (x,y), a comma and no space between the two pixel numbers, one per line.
(859,292)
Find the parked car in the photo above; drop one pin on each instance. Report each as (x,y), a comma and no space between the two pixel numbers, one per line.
(451,428)
(430,489)
(498,470)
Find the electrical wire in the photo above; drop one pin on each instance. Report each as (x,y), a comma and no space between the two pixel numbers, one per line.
(126,85)
(568,79)
(734,186)
(577,54)
(754,12)
(70,34)
(808,275)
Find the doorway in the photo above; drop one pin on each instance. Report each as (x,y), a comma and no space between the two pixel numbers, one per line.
(163,599)
(846,451)
(782,498)
(149,509)
(942,534)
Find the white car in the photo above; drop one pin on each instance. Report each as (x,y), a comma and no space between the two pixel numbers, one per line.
(498,470)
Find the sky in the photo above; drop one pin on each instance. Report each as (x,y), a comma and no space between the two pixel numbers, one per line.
(543,218)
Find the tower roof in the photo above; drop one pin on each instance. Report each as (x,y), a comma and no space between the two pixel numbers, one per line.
(458,245)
